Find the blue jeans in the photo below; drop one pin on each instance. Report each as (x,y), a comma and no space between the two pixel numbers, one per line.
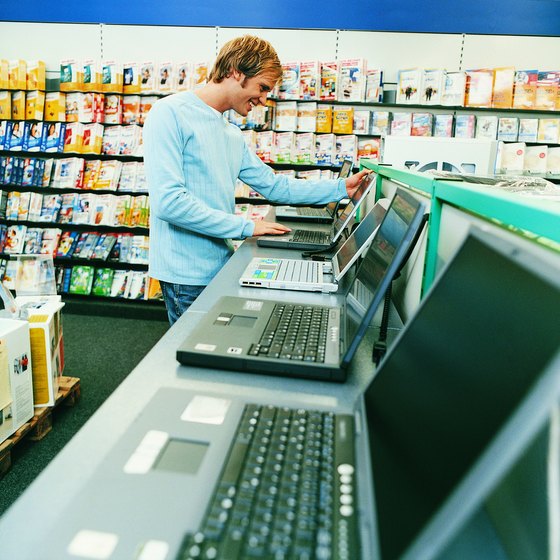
(178,298)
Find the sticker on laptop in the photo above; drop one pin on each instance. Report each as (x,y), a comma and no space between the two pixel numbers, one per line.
(252,305)
(205,347)
(206,410)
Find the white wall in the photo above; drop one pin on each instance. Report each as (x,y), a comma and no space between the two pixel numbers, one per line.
(388,51)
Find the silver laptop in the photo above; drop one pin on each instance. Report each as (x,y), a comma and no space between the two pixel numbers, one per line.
(313,240)
(399,475)
(324,215)
(312,341)
(312,275)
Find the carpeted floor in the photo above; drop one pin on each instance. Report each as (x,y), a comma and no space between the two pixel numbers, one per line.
(101,351)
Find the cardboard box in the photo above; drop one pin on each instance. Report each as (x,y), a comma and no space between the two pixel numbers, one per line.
(47,345)
(16,388)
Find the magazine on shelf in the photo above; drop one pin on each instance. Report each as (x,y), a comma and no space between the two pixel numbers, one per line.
(55,106)
(380,123)
(368,148)
(304,150)
(104,245)
(34,105)
(67,204)
(111,76)
(465,126)
(67,244)
(422,124)
(50,207)
(102,282)
(71,75)
(478,87)
(401,124)
(351,79)
(343,120)
(131,77)
(73,137)
(306,117)
(285,143)
(433,80)
(32,244)
(454,89)
(329,81)
(324,119)
(502,94)
(92,139)
(165,80)
(15,239)
(409,82)
(535,161)
(528,130)
(310,79)
(525,89)
(443,126)
(325,149)
(49,241)
(374,86)
(361,121)
(508,128)
(120,283)
(510,158)
(346,148)
(286,115)
(547,90)
(81,280)
(549,131)
(290,84)
(183,76)
(265,145)
(553,160)
(487,127)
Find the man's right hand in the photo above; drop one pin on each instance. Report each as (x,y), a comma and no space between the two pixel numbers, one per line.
(269,228)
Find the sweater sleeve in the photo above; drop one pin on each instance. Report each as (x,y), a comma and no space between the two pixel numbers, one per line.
(286,190)
(170,199)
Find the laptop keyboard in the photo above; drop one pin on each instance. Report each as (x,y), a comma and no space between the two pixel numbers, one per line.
(312,212)
(302,271)
(287,491)
(311,236)
(294,332)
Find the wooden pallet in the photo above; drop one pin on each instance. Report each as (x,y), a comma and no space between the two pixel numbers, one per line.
(41,423)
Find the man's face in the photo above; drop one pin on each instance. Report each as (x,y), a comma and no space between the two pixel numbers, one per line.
(252,92)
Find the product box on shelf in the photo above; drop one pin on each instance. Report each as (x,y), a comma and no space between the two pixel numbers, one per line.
(46,342)
(16,388)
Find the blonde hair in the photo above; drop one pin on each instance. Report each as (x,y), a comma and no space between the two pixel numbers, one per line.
(249,55)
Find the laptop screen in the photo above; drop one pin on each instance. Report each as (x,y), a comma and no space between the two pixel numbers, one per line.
(478,341)
(355,201)
(381,261)
(346,255)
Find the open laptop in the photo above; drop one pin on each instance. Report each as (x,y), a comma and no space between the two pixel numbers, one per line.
(312,240)
(306,340)
(324,215)
(398,475)
(312,275)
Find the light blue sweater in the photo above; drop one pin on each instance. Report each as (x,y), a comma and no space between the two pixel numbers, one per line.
(193,157)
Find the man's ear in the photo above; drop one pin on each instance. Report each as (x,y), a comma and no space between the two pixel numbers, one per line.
(237,75)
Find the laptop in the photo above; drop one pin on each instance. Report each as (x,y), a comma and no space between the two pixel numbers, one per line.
(310,341)
(324,215)
(312,275)
(312,240)
(398,475)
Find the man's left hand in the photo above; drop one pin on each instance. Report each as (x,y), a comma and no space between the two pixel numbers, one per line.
(354,181)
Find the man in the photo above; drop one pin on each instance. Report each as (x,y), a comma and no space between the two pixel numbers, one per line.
(193,158)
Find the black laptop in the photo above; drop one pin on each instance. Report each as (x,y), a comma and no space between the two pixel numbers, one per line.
(460,401)
(306,340)
(314,240)
(310,215)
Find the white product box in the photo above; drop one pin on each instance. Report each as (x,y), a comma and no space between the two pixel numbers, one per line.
(16,388)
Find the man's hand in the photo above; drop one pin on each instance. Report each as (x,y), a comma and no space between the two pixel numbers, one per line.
(354,181)
(269,228)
